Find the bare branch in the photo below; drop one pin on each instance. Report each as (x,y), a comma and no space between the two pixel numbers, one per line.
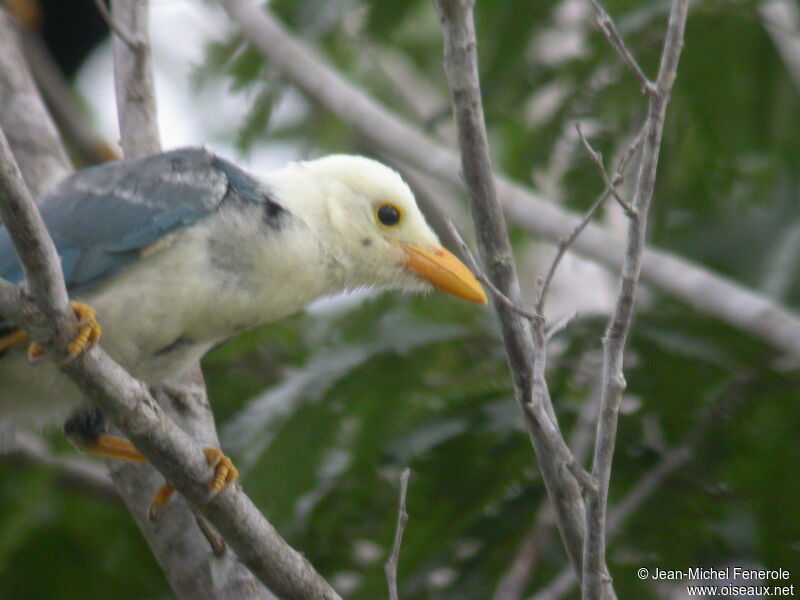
(60,99)
(669,463)
(596,582)
(597,159)
(390,568)
(565,243)
(612,35)
(481,276)
(559,326)
(513,582)
(132,42)
(133,76)
(30,130)
(524,357)
(43,313)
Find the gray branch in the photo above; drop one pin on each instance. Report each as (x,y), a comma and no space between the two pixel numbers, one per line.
(133,78)
(703,290)
(525,359)
(615,39)
(390,568)
(30,130)
(597,583)
(61,101)
(529,551)
(671,460)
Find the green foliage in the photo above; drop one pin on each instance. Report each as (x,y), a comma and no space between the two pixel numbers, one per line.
(323,410)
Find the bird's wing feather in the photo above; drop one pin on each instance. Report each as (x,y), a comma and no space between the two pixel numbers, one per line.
(101,218)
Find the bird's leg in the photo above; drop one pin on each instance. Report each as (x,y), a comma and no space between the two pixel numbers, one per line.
(88,335)
(12,339)
(85,430)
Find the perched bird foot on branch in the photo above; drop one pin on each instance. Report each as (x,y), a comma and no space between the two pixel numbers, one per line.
(225,474)
(85,430)
(89,332)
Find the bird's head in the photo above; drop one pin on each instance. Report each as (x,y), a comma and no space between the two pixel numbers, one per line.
(375,231)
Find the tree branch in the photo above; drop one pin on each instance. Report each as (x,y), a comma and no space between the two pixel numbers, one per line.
(513,582)
(670,461)
(615,39)
(611,188)
(60,99)
(525,359)
(703,290)
(28,126)
(130,38)
(133,77)
(596,582)
(390,567)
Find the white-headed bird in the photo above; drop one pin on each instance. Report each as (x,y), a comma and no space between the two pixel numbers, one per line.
(181,251)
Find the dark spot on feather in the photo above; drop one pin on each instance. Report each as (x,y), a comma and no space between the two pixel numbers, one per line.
(366,242)
(273,212)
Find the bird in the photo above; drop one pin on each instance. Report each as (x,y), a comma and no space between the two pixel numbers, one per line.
(168,256)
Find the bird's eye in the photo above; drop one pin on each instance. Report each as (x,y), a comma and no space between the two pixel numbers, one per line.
(388,215)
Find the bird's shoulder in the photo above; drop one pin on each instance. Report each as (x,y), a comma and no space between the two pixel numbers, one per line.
(104,218)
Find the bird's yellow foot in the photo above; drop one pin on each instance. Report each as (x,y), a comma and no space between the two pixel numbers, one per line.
(225,473)
(88,335)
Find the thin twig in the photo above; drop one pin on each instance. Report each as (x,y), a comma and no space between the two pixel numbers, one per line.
(214,539)
(559,326)
(132,41)
(608,28)
(481,276)
(597,159)
(390,568)
(596,581)
(565,243)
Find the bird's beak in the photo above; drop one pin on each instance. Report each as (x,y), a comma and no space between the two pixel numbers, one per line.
(444,271)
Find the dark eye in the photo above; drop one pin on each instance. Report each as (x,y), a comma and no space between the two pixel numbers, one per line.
(389,215)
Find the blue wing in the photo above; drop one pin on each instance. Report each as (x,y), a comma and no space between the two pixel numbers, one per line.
(101,217)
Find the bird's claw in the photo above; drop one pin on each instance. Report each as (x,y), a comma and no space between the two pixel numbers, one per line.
(89,332)
(225,474)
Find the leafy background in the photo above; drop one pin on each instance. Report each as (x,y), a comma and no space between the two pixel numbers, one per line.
(322,411)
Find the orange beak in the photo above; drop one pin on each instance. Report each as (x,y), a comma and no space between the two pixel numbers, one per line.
(444,271)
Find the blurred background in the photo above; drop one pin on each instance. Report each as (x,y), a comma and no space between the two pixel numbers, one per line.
(322,411)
